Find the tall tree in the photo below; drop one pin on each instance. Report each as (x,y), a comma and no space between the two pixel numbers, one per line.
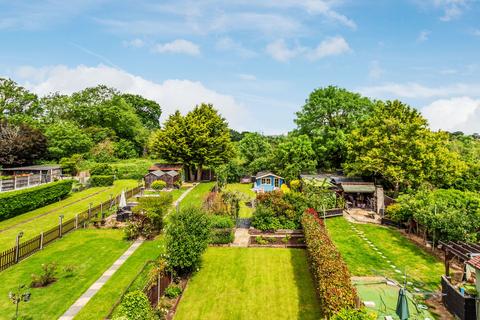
(20,145)
(294,156)
(16,100)
(328,117)
(148,111)
(256,151)
(65,139)
(199,139)
(394,143)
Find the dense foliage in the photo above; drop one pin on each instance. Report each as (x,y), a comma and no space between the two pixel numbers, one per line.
(354,314)
(101,181)
(328,117)
(97,122)
(222,229)
(13,203)
(331,274)
(158,185)
(278,210)
(447,214)
(135,306)
(394,143)
(187,236)
(147,218)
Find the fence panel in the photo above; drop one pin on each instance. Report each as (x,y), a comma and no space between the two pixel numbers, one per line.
(68,226)
(7,258)
(154,292)
(51,235)
(28,247)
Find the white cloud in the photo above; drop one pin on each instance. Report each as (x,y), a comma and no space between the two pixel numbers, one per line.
(452,9)
(423,36)
(228,44)
(329,47)
(135,43)
(279,50)
(171,94)
(332,46)
(178,46)
(375,70)
(247,77)
(415,90)
(454,114)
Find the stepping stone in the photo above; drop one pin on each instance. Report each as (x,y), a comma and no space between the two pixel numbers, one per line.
(398,271)
(369,304)
(393,266)
(410,283)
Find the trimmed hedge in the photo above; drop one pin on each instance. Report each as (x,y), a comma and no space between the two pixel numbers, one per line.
(332,277)
(221,236)
(101,181)
(13,203)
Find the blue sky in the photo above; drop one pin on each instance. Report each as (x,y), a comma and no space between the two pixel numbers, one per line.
(256,61)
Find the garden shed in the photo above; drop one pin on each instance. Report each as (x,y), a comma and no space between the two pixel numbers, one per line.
(170,177)
(266,181)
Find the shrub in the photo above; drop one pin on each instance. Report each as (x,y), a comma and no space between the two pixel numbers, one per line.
(47,276)
(173,291)
(101,181)
(101,169)
(332,277)
(71,165)
(147,217)
(135,306)
(13,203)
(187,238)
(221,222)
(354,314)
(158,185)
(103,152)
(295,185)
(132,169)
(222,236)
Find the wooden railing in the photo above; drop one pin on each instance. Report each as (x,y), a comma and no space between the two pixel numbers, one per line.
(24,249)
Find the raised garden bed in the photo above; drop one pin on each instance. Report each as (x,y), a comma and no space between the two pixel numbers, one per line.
(253,231)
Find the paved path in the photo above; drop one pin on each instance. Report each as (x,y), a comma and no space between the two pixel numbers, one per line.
(241,237)
(94,288)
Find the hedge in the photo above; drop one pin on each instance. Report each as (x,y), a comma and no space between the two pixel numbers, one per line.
(221,236)
(331,274)
(13,203)
(101,181)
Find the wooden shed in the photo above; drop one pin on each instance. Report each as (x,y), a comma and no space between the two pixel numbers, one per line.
(170,177)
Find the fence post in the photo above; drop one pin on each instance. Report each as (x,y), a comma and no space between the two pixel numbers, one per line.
(17,246)
(89,210)
(41,240)
(111,201)
(158,288)
(101,210)
(60,217)
(76,221)
(14,182)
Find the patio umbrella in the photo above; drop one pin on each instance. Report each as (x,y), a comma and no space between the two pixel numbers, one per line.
(402,305)
(123,200)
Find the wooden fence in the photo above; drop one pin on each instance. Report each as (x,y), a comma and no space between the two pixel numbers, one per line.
(22,182)
(24,249)
(463,307)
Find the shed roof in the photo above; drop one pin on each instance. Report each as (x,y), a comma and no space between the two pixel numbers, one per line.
(35,168)
(158,173)
(262,174)
(358,187)
(172,173)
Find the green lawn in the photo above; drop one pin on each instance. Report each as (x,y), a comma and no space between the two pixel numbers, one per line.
(44,223)
(248,194)
(90,251)
(99,306)
(251,283)
(197,195)
(362,260)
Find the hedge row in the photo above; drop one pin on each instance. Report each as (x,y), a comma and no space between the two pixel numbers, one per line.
(101,181)
(14,203)
(331,274)
(221,236)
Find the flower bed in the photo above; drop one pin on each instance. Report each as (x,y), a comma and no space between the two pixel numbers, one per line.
(277,241)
